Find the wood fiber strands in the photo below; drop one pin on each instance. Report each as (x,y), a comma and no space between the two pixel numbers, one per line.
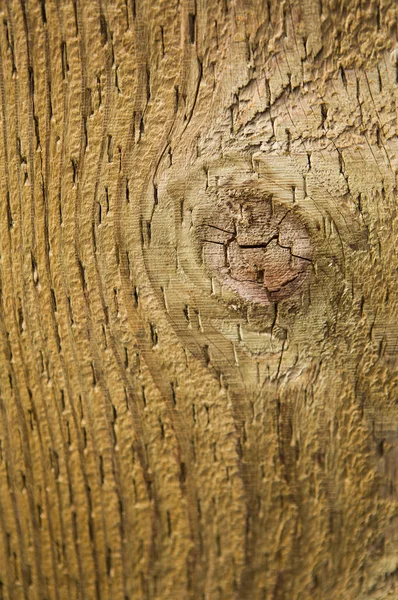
(198,300)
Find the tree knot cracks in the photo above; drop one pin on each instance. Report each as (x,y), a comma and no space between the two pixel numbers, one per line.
(257,247)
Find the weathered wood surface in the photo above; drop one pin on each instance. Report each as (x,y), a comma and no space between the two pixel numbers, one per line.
(199,328)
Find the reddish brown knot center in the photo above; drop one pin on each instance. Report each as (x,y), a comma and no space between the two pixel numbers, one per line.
(259,248)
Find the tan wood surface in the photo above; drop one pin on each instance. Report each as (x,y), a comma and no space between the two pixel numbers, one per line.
(198,300)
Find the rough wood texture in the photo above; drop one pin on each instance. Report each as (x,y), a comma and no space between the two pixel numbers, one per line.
(199,299)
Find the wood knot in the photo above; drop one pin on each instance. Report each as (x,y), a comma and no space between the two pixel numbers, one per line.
(258,248)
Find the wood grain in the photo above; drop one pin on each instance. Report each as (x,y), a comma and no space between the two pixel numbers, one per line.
(198,300)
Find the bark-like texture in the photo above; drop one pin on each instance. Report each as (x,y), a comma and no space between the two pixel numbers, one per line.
(198,307)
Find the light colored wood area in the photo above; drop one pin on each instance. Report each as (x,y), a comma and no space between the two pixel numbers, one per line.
(198,307)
